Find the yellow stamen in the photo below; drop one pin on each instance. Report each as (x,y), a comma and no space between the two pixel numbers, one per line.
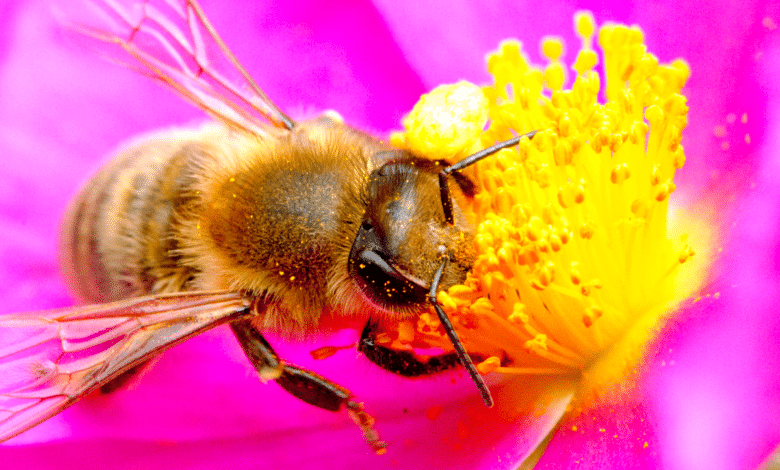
(577,263)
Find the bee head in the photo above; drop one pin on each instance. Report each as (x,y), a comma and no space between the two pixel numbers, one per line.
(415,239)
(405,233)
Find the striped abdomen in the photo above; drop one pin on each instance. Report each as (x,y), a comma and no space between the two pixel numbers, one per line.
(119,235)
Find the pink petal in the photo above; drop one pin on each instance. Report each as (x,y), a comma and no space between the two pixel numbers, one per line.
(62,110)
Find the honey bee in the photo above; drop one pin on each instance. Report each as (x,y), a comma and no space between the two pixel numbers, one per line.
(254,220)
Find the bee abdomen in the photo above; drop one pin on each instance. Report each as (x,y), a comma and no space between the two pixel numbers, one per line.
(118,236)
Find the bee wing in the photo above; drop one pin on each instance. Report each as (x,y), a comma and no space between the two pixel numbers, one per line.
(49,359)
(172,41)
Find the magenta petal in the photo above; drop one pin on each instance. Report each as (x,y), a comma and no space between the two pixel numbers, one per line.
(447,41)
(62,111)
(201,420)
(721,398)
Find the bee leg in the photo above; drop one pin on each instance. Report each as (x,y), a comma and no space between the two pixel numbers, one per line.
(260,353)
(321,392)
(405,363)
(304,384)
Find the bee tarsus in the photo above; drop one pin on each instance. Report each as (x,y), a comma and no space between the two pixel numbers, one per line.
(402,362)
(302,383)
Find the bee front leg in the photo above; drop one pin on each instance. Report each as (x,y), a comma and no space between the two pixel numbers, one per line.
(405,363)
(303,384)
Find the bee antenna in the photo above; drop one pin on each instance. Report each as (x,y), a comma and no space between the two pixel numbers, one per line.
(463,356)
(446,199)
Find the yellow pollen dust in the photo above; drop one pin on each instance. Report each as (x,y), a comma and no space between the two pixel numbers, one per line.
(445,122)
(577,262)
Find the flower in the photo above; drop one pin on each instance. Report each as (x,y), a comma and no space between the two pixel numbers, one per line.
(574,268)
(708,386)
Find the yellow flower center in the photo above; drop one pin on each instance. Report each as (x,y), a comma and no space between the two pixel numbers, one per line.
(577,261)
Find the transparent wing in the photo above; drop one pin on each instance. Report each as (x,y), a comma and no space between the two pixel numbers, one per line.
(50,359)
(172,41)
